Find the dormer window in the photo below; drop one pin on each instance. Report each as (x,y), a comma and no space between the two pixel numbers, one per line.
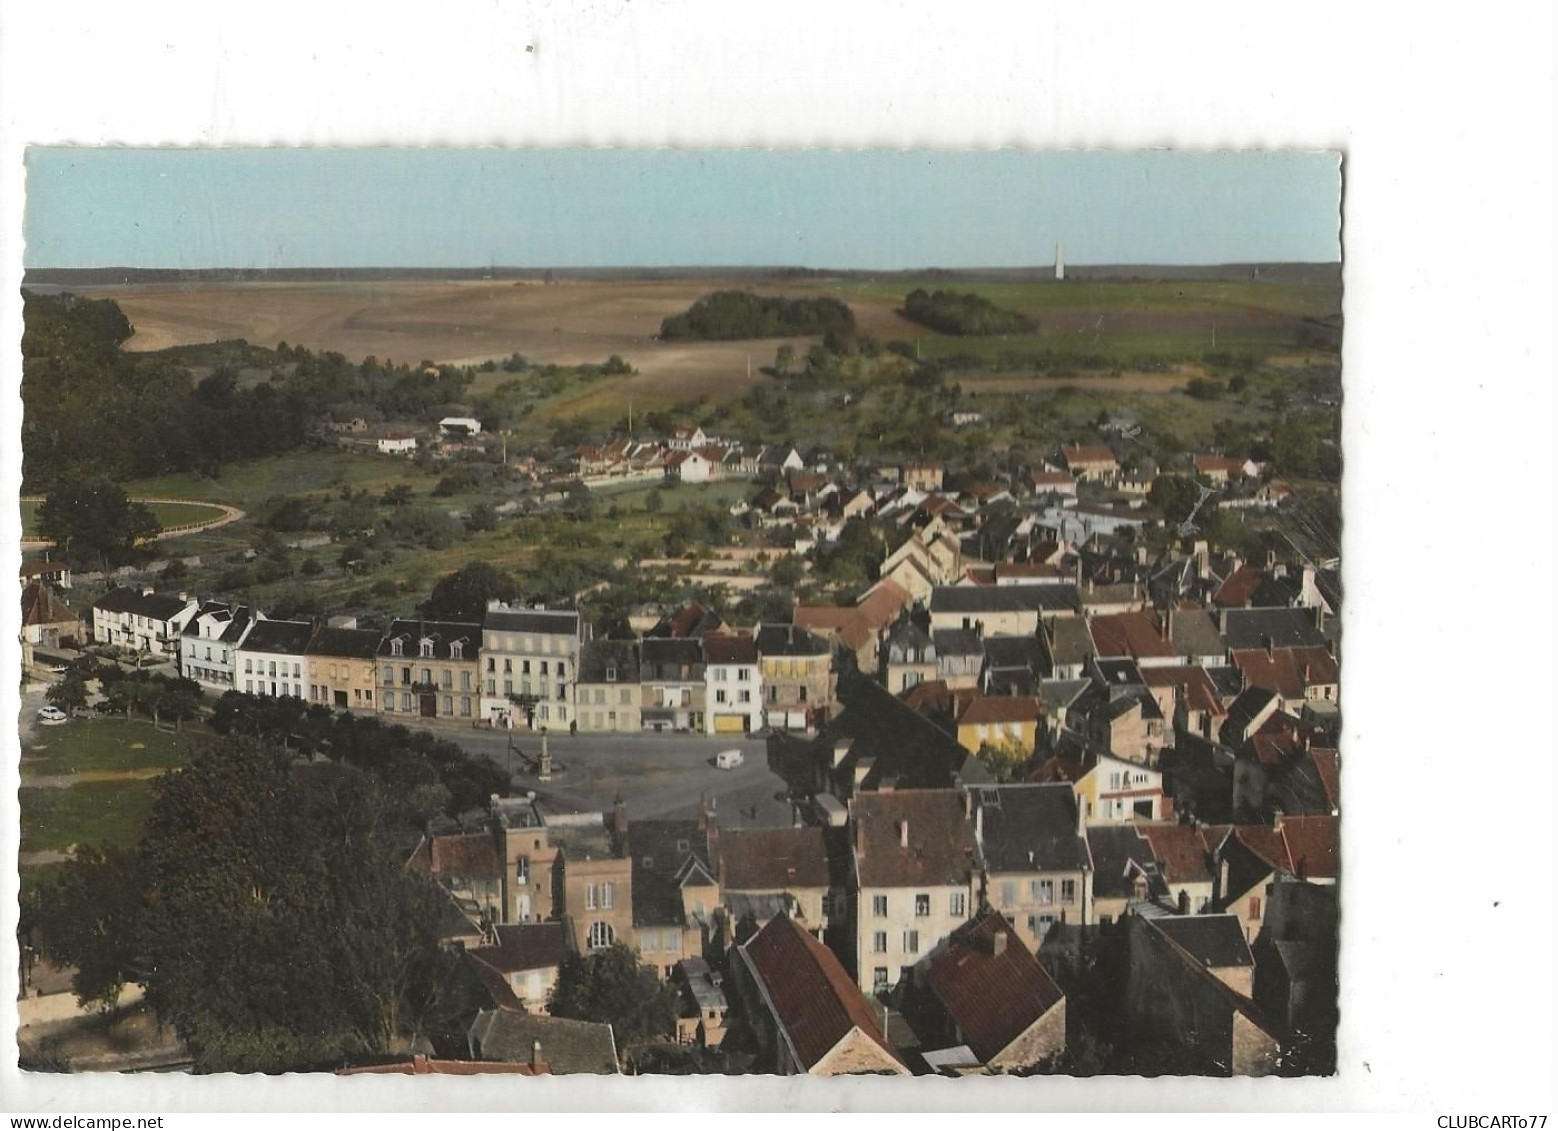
(611,675)
(457,650)
(397,647)
(427,647)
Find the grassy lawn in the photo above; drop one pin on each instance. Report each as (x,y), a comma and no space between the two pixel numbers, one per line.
(105,744)
(91,813)
(252,481)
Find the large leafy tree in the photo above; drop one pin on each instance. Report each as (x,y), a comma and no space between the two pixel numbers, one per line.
(610,986)
(266,912)
(463,595)
(92,520)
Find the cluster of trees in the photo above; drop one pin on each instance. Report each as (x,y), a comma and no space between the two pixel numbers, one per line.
(92,520)
(94,410)
(731,315)
(964,314)
(267,913)
(611,987)
(430,774)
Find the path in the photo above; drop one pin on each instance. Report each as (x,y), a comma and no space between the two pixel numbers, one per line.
(229,514)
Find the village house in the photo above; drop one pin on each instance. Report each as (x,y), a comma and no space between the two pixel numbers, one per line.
(684,439)
(528,957)
(1219,470)
(270,658)
(805,1013)
(1000,720)
(460,426)
(704,1007)
(908,656)
(56,575)
(960,656)
(595,879)
(562,1045)
(789,869)
(529,665)
(922,476)
(984,1003)
(1012,610)
(857,630)
(674,688)
(608,694)
(688,467)
(47,621)
(733,695)
(208,647)
(430,669)
(675,894)
(142,620)
(1037,870)
(1187,697)
(342,665)
(1253,857)
(915,872)
(797,668)
(396,444)
(1187,1014)
(1090,463)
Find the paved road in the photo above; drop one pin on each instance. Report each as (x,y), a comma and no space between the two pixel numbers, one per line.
(656,775)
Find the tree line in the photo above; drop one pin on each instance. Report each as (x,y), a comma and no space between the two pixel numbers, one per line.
(964,314)
(733,315)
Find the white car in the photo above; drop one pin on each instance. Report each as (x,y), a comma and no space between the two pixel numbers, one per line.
(51,715)
(729,759)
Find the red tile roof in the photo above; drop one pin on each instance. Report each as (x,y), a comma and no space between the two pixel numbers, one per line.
(1196,687)
(1304,846)
(525,946)
(1137,634)
(993,998)
(1238,589)
(1287,671)
(40,606)
(1087,453)
(814,1000)
(1328,767)
(420,1065)
(462,854)
(772,859)
(941,838)
(1183,851)
(1226,464)
(1001,709)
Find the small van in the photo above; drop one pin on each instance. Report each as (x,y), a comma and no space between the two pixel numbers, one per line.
(729,759)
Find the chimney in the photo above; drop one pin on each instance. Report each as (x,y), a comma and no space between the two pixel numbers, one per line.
(903,834)
(1319,616)
(860,838)
(979,825)
(147,591)
(619,811)
(1168,624)
(1081,815)
(1266,643)
(535,1055)
(998,943)
(968,803)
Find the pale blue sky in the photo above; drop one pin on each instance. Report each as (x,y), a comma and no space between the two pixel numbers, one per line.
(869,209)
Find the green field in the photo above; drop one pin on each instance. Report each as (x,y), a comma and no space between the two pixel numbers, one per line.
(91,813)
(84,745)
(252,481)
(1035,297)
(167,514)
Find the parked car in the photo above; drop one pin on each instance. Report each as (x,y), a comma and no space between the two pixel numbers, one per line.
(729,759)
(52,715)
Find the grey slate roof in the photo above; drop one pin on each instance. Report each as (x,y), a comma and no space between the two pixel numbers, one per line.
(236,616)
(1193,632)
(1004,598)
(356,643)
(1115,849)
(1285,628)
(566,1046)
(442,633)
(660,851)
(1025,652)
(598,655)
(957,642)
(289,637)
(905,747)
(663,658)
(556,621)
(1212,940)
(156,606)
(1030,828)
(789,640)
(1069,640)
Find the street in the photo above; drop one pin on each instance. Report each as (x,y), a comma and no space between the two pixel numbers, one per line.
(656,775)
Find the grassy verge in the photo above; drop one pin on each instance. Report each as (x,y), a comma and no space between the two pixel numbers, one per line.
(91,813)
(105,744)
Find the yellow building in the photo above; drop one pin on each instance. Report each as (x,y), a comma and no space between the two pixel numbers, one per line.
(341,669)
